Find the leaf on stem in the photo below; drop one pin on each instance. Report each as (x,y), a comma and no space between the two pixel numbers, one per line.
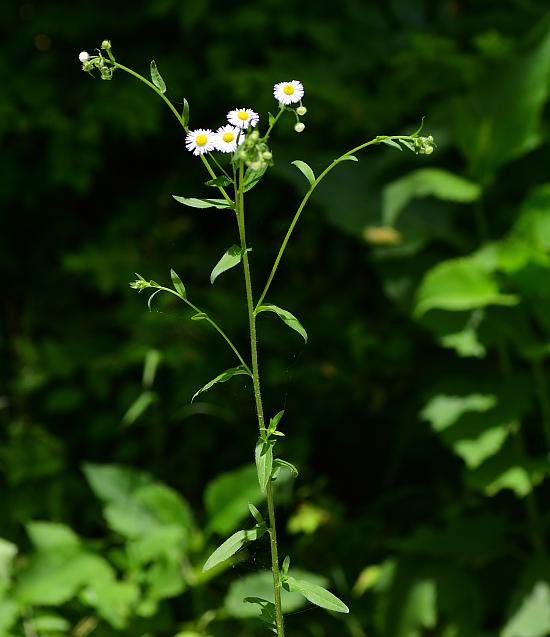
(391,142)
(252,177)
(287,318)
(278,463)
(267,612)
(264,462)
(347,158)
(274,422)
(157,78)
(203,203)
(178,285)
(316,595)
(256,514)
(232,545)
(230,259)
(305,170)
(221,181)
(185,113)
(221,378)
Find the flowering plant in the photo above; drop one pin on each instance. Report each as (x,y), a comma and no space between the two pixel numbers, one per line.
(249,159)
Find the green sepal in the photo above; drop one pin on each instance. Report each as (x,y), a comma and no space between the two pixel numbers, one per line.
(315,594)
(178,285)
(157,78)
(232,545)
(221,378)
(287,318)
(230,259)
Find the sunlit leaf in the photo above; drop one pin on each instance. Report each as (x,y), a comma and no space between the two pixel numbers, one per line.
(203,203)
(287,318)
(232,545)
(221,378)
(178,285)
(264,462)
(230,259)
(532,619)
(317,595)
(156,77)
(305,170)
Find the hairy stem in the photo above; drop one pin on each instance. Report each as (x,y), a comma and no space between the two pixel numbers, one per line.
(239,201)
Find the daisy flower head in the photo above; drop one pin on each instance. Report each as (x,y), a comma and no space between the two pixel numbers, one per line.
(226,138)
(200,141)
(243,118)
(288,92)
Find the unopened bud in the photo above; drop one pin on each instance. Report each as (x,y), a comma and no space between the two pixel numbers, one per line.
(301,110)
(106,44)
(299,127)
(428,150)
(83,56)
(267,155)
(255,136)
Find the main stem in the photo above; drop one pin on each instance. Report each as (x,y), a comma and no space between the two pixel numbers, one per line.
(239,201)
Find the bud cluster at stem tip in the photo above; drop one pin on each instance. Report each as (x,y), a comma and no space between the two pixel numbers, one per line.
(424,145)
(103,64)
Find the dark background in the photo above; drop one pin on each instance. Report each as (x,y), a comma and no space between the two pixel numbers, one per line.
(87,173)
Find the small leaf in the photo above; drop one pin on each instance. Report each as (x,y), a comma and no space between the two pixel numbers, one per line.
(203,203)
(138,407)
(286,317)
(252,177)
(279,462)
(232,545)
(220,181)
(151,298)
(156,77)
(305,170)
(286,565)
(185,112)
(230,259)
(221,378)
(256,514)
(347,158)
(317,595)
(408,144)
(264,462)
(273,422)
(267,614)
(391,142)
(199,316)
(271,119)
(178,285)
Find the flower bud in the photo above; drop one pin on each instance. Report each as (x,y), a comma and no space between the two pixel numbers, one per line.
(299,127)
(106,45)
(84,56)
(267,155)
(428,150)
(301,110)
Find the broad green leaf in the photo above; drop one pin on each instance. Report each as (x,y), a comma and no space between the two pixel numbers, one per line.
(261,585)
(252,177)
(532,619)
(139,407)
(305,170)
(459,284)
(267,610)
(114,600)
(50,623)
(232,545)
(230,259)
(178,285)
(317,595)
(157,78)
(264,462)
(185,112)
(443,410)
(220,181)
(203,203)
(9,614)
(8,551)
(425,182)
(111,482)
(221,378)
(227,498)
(287,318)
(52,535)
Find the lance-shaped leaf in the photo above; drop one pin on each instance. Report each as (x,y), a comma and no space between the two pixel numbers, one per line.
(232,545)
(316,595)
(273,422)
(230,259)
(264,462)
(267,612)
(222,180)
(157,78)
(347,158)
(202,203)
(391,142)
(185,112)
(286,317)
(278,463)
(305,170)
(252,177)
(178,285)
(222,378)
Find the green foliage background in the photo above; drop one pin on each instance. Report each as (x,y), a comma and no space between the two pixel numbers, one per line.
(418,412)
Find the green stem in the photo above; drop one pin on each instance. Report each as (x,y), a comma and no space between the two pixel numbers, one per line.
(314,185)
(275,120)
(239,200)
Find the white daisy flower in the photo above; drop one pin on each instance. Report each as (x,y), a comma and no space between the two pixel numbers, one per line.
(243,117)
(200,141)
(226,138)
(83,56)
(288,92)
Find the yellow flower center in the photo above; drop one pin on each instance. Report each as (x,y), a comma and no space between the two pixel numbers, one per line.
(201,140)
(228,137)
(243,115)
(288,89)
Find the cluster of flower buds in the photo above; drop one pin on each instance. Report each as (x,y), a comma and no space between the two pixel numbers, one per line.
(102,64)
(424,145)
(254,152)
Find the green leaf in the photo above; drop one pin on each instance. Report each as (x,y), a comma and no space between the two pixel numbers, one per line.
(203,203)
(111,483)
(256,514)
(274,422)
(279,462)
(305,170)
(267,610)
(391,142)
(151,298)
(459,284)
(221,378)
(286,565)
(52,535)
(50,623)
(139,407)
(317,595)
(178,285)
(156,77)
(185,112)
(287,318)
(252,177)
(264,462)
(425,182)
(8,551)
(232,545)
(220,181)
(347,158)
(532,619)
(199,316)
(230,259)
(271,119)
